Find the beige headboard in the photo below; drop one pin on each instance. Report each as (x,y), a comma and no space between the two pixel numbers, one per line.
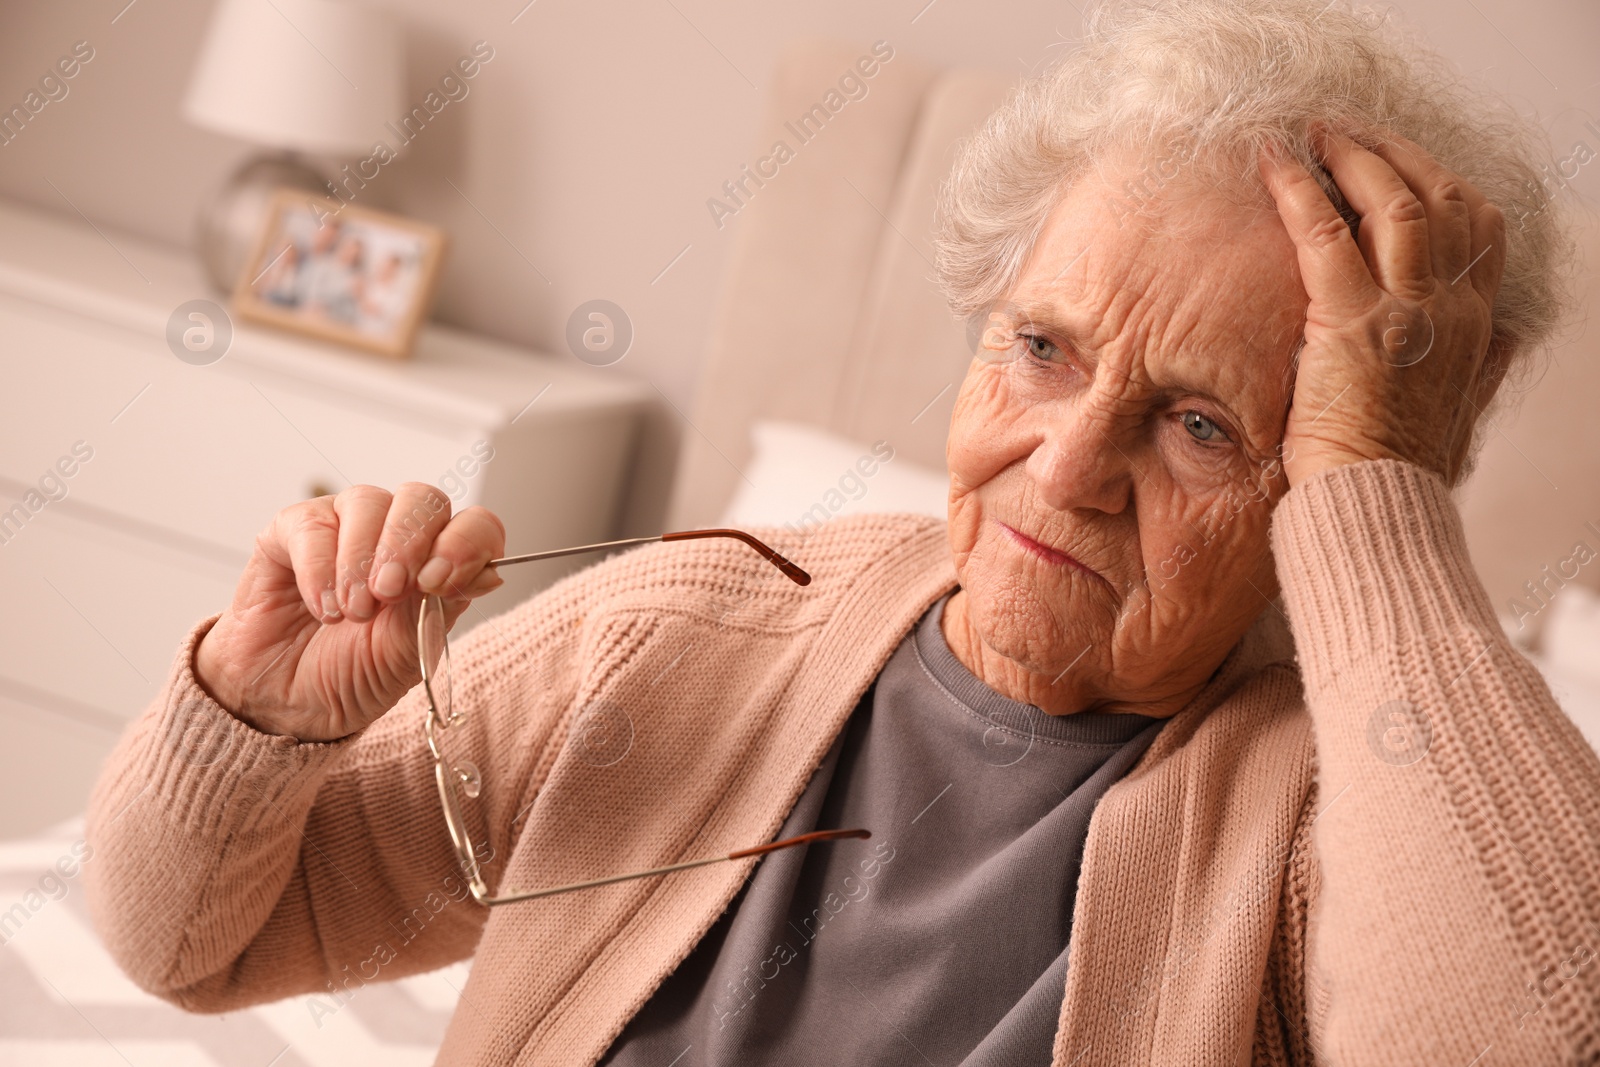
(830,316)
(1536,492)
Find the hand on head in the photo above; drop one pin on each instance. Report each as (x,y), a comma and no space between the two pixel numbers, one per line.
(1398,328)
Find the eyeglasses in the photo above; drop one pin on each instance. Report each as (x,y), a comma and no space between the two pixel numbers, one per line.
(459,777)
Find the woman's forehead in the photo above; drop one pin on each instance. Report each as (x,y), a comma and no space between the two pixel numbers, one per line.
(1114,219)
(1194,292)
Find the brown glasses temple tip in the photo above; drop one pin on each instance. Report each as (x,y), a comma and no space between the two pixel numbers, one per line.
(803,839)
(789,569)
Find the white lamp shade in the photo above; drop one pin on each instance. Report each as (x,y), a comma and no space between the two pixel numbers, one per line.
(315,76)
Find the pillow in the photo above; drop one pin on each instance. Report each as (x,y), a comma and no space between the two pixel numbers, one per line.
(1569,656)
(1571,638)
(801,476)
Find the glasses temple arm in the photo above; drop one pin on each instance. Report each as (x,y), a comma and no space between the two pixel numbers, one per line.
(772,556)
(802,839)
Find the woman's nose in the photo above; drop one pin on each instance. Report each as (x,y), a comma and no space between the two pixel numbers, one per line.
(1079,464)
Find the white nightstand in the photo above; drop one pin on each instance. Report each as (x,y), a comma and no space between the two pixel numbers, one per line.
(189,462)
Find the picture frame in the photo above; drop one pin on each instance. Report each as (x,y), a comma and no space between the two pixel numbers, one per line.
(335,271)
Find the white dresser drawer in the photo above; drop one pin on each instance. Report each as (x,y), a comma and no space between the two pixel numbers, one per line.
(95,614)
(121,548)
(191,448)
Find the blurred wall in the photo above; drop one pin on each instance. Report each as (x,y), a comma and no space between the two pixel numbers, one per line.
(585,153)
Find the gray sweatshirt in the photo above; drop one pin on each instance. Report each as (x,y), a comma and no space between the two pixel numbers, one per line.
(942,940)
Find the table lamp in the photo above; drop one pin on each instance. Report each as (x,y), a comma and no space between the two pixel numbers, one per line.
(303,78)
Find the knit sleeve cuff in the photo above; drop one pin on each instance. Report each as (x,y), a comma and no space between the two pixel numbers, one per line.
(1372,557)
(211,773)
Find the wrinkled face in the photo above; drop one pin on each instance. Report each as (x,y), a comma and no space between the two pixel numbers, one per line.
(1114,451)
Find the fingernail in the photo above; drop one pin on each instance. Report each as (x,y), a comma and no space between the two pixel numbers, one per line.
(359,601)
(433,574)
(330,604)
(391,580)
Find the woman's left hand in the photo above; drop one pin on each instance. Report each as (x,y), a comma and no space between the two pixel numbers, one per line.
(1397,329)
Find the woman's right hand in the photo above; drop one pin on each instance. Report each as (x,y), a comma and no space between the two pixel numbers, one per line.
(321,637)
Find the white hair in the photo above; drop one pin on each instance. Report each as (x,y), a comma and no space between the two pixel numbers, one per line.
(1211,83)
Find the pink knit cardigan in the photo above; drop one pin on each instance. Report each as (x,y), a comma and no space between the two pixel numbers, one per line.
(1384,851)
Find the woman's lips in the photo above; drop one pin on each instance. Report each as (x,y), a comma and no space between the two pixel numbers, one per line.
(1045,552)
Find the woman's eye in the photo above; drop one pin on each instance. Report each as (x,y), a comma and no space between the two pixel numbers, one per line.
(1202,428)
(1039,348)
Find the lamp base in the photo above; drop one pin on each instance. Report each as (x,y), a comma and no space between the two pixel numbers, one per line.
(230,222)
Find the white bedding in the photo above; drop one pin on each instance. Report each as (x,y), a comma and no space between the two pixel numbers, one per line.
(1577,693)
(63,1001)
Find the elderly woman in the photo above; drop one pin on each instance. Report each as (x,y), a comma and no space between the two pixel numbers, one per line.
(1190,738)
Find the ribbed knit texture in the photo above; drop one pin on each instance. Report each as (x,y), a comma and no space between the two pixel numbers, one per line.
(1280,877)
(1471,802)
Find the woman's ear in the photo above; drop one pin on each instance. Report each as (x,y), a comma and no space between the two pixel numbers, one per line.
(1491,372)
(1491,375)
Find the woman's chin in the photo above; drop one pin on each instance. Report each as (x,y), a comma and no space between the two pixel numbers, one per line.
(1015,616)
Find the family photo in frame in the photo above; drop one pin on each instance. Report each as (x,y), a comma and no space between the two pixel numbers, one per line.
(358,277)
